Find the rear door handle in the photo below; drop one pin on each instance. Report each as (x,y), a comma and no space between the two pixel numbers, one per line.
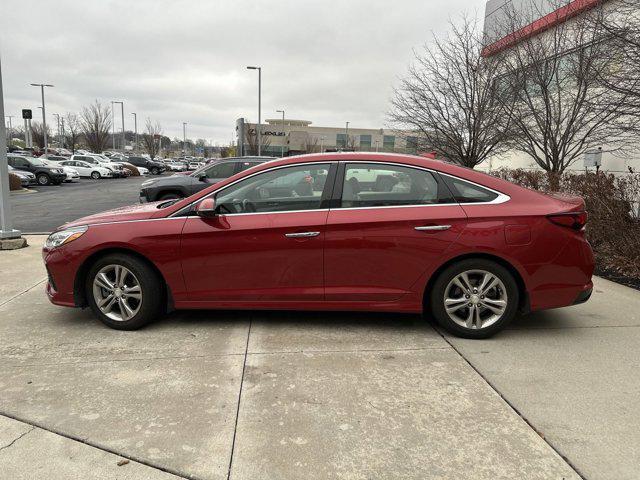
(433,228)
(302,234)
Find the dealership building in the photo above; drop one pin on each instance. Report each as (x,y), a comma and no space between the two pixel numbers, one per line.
(293,137)
(548,15)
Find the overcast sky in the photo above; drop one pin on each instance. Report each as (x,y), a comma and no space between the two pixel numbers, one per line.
(325,61)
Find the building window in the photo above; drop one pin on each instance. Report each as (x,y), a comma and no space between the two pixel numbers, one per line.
(341,140)
(388,142)
(365,141)
(412,144)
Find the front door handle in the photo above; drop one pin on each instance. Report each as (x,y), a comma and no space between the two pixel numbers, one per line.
(433,228)
(302,234)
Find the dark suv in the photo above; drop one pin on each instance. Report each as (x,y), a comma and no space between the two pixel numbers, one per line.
(156,168)
(45,174)
(181,186)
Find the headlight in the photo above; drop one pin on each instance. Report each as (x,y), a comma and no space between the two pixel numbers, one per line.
(147,183)
(57,239)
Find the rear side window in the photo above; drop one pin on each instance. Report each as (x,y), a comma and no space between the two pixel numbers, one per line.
(222,170)
(465,192)
(379,185)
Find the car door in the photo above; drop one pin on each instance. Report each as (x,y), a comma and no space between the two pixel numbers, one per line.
(392,222)
(83,168)
(19,163)
(260,247)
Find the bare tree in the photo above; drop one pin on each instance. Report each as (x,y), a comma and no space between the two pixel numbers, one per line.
(151,138)
(95,123)
(37,133)
(252,142)
(562,108)
(72,131)
(449,98)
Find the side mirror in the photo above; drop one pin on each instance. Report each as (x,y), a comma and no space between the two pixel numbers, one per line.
(206,208)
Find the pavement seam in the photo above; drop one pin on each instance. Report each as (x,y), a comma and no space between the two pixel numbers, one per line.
(17,438)
(363,350)
(512,406)
(235,426)
(23,292)
(89,443)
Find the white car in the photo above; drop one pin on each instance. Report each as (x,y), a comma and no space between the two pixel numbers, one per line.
(72,174)
(175,166)
(86,169)
(93,159)
(143,171)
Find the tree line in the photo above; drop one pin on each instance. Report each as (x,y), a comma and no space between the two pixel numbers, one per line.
(553,96)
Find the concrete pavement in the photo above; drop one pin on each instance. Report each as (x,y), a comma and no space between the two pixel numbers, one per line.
(289,395)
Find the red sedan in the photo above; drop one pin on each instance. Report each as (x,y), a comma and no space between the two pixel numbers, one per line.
(343,231)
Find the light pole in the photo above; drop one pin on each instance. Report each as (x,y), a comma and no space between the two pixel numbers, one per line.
(346,136)
(62,136)
(184,139)
(113,124)
(10,133)
(322,144)
(259,106)
(377,143)
(135,127)
(57,115)
(44,117)
(6,222)
(283,136)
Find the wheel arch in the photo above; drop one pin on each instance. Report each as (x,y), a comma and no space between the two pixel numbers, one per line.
(523,305)
(81,275)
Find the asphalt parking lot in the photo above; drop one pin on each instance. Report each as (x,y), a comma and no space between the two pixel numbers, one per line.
(290,395)
(49,207)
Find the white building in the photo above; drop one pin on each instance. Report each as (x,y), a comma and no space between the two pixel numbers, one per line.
(547,16)
(293,137)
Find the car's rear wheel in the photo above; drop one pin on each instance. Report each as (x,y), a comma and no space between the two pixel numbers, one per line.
(124,292)
(170,196)
(474,298)
(155,171)
(43,179)
(95,175)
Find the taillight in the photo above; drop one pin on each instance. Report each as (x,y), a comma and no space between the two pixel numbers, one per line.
(576,220)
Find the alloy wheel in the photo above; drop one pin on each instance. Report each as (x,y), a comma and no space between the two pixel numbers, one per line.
(117,292)
(475,299)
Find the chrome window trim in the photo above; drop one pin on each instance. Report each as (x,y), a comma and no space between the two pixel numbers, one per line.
(501,198)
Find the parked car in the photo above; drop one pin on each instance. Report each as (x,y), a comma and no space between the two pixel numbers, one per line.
(180,186)
(175,166)
(93,159)
(45,174)
(88,170)
(156,168)
(26,178)
(71,174)
(470,249)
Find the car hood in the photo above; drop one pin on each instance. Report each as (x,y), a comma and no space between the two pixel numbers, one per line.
(121,214)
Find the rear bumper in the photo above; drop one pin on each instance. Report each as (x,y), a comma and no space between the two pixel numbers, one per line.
(584,295)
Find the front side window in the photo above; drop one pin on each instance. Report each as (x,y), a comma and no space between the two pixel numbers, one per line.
(465,192)
(379,185)
(222,170)
(283,189)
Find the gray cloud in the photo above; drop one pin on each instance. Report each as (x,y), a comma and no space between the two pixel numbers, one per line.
(184,60)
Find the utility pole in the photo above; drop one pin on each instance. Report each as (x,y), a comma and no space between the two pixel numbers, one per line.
(259,107)
(57,115)
(44,116)
(6,221)
(283,135)
(123,138)
(113,126)
(135,127)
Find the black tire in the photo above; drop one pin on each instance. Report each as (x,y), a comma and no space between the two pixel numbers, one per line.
(155,171)
(437,298)
(43,179)
(95,175)
(170,196)
(152,303)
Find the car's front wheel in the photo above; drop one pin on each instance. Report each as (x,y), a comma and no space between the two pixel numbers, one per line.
(155,171)
(124,292)
(43,179)
(95,175)
(474,298)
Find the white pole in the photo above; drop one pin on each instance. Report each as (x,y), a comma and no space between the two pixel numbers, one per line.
(6,221)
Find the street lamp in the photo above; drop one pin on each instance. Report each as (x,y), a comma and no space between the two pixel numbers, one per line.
(259,106)
(346,136)
(44,118)
(113,127)
(57,115)
(135,127)
(184,139)
(283,136)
